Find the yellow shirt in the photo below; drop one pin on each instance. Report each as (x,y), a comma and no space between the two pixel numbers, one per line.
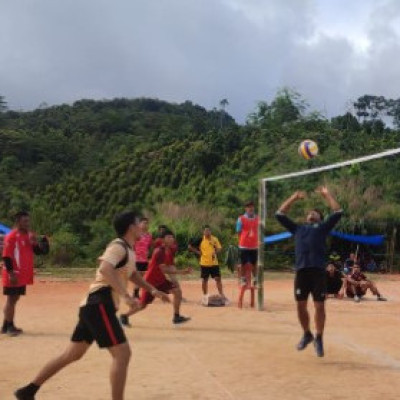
(114,253)
(208,247)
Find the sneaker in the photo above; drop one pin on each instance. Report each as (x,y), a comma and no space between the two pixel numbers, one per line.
(226,301)
(124,320)
(380,298)
(357,299)
(319,346)
(20,395)
(3,329)
(305,341)
(180,319)
(13,331)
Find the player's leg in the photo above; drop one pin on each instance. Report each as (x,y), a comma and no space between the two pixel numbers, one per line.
(73,352)
(301,293)
(204,279)
(121,355)
(12,297)
(319,296)
(371,286)
(176,292)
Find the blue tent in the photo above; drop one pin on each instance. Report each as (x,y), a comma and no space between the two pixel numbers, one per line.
(4,229)
(374,240)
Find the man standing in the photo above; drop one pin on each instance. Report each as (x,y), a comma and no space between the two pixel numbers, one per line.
(142,249)
(247,230)
(19,246)
(310,250)
(97,314)
(161,263)
(207,248)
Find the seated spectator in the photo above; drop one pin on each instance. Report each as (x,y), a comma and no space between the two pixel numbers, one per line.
(348,264)
(358,284)
(372,266)
(336,282)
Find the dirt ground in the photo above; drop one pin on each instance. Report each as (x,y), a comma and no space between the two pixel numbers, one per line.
(222,354)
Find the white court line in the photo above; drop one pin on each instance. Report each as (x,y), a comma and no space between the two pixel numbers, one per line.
(207,371)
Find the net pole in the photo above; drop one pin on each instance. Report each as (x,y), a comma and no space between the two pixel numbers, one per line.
(262,202)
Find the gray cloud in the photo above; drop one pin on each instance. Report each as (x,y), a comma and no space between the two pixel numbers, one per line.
(191,50)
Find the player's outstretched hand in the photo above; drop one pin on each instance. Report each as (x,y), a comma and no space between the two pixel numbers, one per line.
(300,195)
(323,190)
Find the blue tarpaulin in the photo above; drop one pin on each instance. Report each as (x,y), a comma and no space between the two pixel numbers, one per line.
(374,240)
(4,229)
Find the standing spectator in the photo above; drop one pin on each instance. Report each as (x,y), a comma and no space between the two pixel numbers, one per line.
(19,247)
(310,242)
(207,248)
(358,284)
(247,230)
(142,249)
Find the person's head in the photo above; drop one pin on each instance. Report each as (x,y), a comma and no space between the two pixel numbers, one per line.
(22,221)
(144,224)
(126,224)
(168,238)
(249,207)
(352,256)
(314,216)
(331,268)
(356,268)
(206,231)
(162,229)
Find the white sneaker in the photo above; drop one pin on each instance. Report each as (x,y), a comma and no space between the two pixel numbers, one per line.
(357,299)
(204,300)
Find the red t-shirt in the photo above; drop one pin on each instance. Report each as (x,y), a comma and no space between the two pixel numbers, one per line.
(142,247)
(19,247)
(154,274)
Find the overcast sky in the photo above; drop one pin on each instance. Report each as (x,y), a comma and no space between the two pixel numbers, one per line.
(331,51)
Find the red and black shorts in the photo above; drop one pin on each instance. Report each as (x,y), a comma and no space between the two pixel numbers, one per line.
(98,322)
(166,287)
(14,290)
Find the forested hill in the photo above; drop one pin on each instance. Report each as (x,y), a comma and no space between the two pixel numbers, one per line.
(75,166)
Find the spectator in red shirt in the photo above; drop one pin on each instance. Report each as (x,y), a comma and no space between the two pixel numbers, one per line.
(358,284)
(19,247)
(162,263)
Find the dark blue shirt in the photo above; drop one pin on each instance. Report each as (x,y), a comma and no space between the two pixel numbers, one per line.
(310,239)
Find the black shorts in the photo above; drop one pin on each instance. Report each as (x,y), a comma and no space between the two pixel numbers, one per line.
(14,290)
(310,280)
(248,256)
(213,271)
(142,266)
(99,322)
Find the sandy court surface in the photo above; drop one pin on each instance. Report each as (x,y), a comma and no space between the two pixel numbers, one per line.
(222,354)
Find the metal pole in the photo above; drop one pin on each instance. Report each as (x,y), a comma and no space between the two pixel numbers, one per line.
(262,201)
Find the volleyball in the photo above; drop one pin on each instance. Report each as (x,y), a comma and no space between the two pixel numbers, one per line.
(308,149)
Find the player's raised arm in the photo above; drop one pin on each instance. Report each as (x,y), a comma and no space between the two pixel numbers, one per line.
(327,195)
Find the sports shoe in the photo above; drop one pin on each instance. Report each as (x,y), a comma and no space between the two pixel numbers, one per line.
(319,346)
(180,319)
(20,395)
(305,341)
(3,329)
(380,298)
(357,299)
(124,320)
(13,331)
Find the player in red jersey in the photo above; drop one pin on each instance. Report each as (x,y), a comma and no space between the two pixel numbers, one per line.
(19,247)
(161,263)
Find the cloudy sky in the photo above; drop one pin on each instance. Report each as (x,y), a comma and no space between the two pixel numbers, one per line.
(331,51)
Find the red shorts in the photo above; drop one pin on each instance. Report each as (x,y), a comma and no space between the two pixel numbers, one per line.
(147,297)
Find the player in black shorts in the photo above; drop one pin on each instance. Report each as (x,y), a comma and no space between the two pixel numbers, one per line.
(97,314)
(310,277)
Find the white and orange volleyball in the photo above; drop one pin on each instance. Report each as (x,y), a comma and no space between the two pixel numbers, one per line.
(308,149)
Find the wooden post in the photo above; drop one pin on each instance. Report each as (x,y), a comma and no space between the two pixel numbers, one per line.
(262,213)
